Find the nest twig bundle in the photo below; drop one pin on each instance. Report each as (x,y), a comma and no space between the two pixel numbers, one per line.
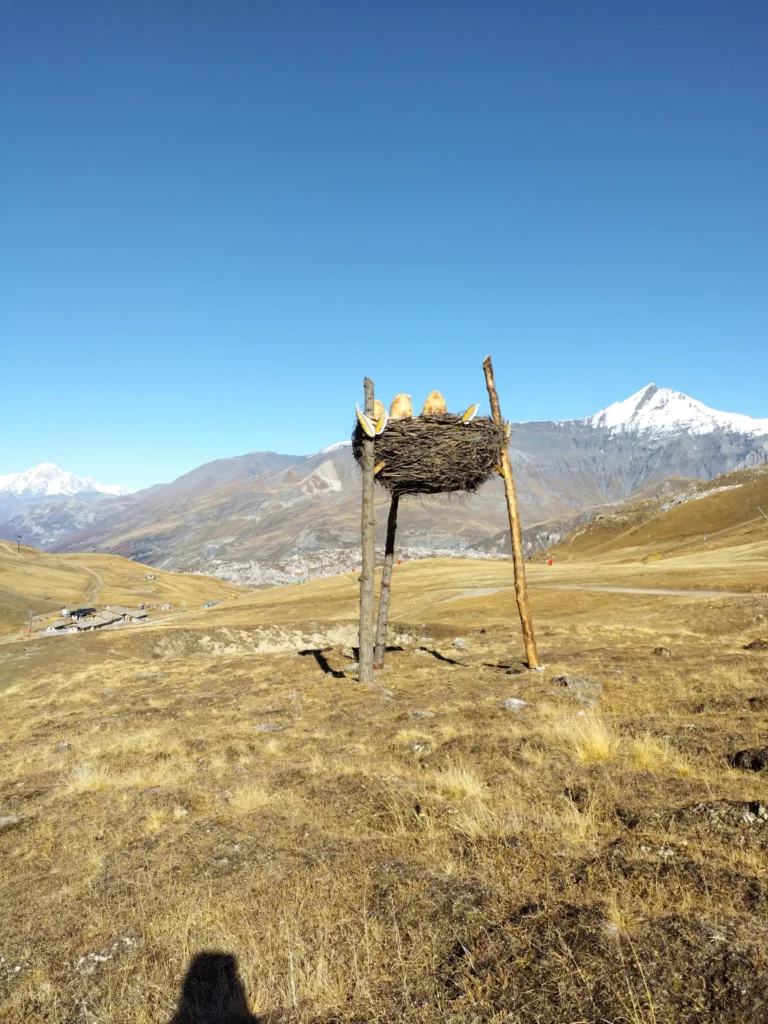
(434,454)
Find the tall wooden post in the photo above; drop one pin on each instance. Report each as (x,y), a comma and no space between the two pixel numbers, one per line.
(386,584)
(367,538)
(518,559)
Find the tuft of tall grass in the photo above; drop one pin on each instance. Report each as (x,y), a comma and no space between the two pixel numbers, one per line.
(652,754)
(251,797)
(85,779)
(155,822)
(461,783)
(591,738)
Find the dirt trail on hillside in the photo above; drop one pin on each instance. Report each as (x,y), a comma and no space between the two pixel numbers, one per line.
(93,592)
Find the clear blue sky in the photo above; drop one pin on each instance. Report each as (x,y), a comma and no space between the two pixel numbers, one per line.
(218,216)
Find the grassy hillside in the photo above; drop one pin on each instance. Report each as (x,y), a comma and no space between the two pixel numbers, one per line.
(723,513)
(415,852)
(84,579)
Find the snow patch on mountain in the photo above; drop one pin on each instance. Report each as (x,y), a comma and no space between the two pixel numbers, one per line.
(335,447)
(47,480)
(659,411)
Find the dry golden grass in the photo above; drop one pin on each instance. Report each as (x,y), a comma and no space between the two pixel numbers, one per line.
(418,853)
(460,782)
(90,780)
(653,754)
(251,797)
(591,738)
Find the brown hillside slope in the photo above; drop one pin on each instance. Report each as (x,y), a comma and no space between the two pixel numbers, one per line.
(466,842)
(32,580)
(722,513)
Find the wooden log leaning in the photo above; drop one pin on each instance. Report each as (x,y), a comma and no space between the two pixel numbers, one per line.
(518,559)
(367,539)
(386,584)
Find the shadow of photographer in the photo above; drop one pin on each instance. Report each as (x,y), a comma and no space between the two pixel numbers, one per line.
(213,993)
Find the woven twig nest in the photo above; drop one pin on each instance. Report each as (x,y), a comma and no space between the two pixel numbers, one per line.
(434,454)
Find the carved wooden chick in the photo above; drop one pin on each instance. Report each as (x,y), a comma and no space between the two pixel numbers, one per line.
(401,408)
(434,405)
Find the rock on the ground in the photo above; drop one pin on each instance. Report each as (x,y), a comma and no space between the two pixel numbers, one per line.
(268,727)
(87,964)
(589,700)
(416,715)
(459,643)
(514,703)
(578,683)
(753,759)
(742,821)
(9,821)
(585,691)
(761,644)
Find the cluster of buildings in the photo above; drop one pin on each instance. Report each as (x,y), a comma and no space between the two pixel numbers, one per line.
(80,620)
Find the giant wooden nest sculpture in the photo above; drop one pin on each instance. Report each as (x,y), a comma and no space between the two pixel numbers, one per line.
(434,454)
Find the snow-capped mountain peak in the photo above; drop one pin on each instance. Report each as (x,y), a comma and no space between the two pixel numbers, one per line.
(334,447)
(47,480)
(663,411)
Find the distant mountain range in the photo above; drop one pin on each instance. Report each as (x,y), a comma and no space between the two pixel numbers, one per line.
(259,518)
(34,490)
(48,481)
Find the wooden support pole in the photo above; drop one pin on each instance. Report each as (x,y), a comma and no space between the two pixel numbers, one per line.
(367,527)
(386,584)
(518,559)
